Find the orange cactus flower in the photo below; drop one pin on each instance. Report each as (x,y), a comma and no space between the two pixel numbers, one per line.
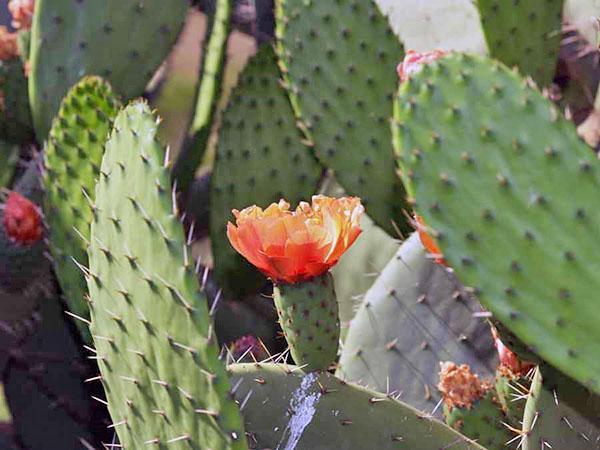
(459,386)
(22,13)
(8,44)
(291,246)
(414,61)
(429,242)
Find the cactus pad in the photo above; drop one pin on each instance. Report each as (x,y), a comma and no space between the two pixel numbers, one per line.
(73,156)
(123,41)
(506,180)
(287,409)
(482,422)
(549,422)
(338,61)
(157,351)
(309,318)
(414,317)
(15,115)
(525,34)
(260,159)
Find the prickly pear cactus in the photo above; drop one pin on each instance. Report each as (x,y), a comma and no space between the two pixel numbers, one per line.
(260,159)
(123,41)
(338,60)
(510,172)
(415,316)
(72,166)
(524,33)
(157,351)
(286,408)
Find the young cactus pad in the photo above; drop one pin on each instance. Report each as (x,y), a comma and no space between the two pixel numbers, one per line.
(123,41)
(491,164)
(150,322)
(73,156)
(287,409)
(338,60)
(308,315)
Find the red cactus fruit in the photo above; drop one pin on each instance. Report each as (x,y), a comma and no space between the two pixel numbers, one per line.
(22,220)
(414,61)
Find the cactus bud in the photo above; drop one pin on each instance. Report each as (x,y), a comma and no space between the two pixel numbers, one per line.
(22,220)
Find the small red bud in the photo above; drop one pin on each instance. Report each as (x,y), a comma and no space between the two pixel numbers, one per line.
(22,220)
(414,61)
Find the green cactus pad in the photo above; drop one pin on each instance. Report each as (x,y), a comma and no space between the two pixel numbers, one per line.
(157,350)
(509,189)
(309,318)
(260,159)
(288,409)
(338,59)
(15,115)
(549,421)
(511,390)
(207,98)
(482,422)
(414,317)
(524,33)
(123,41)
(72,160)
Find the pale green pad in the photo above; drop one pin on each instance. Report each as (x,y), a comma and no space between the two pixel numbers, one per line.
(511,191)
(287,409)
(157,352)
(415,316)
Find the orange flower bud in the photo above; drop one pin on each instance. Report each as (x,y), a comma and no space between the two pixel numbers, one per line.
(291,246)
(508,359)
(428,242)
(414,61)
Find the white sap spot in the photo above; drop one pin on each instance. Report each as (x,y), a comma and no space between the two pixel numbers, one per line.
(303,406)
